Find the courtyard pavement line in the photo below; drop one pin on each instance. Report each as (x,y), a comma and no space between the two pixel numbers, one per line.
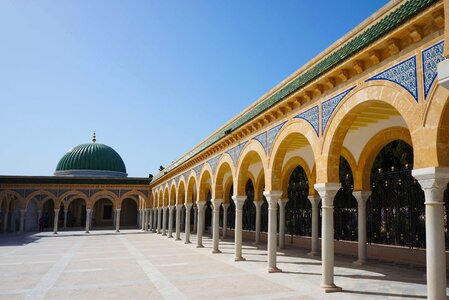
(163,285)
(49,279)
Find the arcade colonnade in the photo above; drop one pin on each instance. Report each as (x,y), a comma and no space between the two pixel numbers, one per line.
(22,209)
(393,90)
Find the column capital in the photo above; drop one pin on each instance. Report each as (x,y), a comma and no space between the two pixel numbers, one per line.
(216,203)
(171,207)
(272,197)
(282,202)
(327,192)
(258,204)
(239,201)
(314,200)
(200,204)
(56,210)
(433,181)
(188,205)
(118,209)
(88,210)
(361,197)
(179,206)
(225,205)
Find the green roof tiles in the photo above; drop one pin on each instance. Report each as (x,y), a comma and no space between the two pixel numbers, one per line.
(391,21)
(92,157)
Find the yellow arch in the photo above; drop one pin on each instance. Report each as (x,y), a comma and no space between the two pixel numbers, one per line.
(253,150)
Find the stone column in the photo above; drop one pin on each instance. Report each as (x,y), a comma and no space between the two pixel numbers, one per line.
(117,219)
(273,198)
(159,221)
(178,222)
(154,219)
(5,221)
(170,221)
(362,197)
(187,226)
(327,192)
(195,218)
(65,218)
(239,201)
(200,223)
(216,225)
(55,222)
(150,219)
(88,214)
(22,220)
(282,203)
(225,219)
(258,205)
(434,182)
(164,221)
(315,201)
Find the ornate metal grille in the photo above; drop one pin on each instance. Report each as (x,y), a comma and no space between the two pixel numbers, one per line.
(249,210)
(298,210)
(396,212)
(345,206)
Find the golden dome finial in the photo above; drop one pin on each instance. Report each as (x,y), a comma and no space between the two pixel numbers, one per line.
(94,139)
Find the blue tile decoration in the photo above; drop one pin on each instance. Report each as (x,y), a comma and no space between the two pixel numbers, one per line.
(328,107)
(311,116)
(430,59)
(116,192)
(238,150)
(231,153)
(145,192)
(177,179)
(404,74)
(186,175)
(272,133)
(262,138)
(213,163)
(197,170)
(85,192)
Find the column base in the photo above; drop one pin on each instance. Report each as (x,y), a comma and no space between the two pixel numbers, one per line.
(177,239)
(313,253)
(199,246)
(117,231)
(331,288)
(216,251)
(87,232)
(274,270)
(53,232)
(170,237)
(239,259)
(360,262)
(164,234)
(187,242)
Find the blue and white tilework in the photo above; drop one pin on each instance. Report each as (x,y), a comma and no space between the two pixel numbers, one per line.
(177,179)
(430,59)
(404,74)
(272,133)
(197,170)
(262,138)
(231,153)
(238,150)
(311,116)
(186,175)
(328,107)
(213,163)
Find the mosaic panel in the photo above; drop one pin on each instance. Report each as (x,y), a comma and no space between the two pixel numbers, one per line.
(272,133)
(213,163)
(186,175)
(238,150)
(231,153)
(404,74)
(311,116)
(430,59)
(198,169)
(262,138)
(177,179)
(329,106)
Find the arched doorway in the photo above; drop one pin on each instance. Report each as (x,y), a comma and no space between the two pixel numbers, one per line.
(231,210)
(249,210)
(298,210)
(103,213)
(128,213)
(396,212)
(208,214)
(76,213)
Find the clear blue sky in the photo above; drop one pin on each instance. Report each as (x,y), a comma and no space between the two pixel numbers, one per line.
(153,78)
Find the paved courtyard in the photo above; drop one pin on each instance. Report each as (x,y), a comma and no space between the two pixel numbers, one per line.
(136,265)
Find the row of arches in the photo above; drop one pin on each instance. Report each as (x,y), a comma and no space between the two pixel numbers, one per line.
(341,175)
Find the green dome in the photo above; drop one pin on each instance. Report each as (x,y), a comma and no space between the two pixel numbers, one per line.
(91,160)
